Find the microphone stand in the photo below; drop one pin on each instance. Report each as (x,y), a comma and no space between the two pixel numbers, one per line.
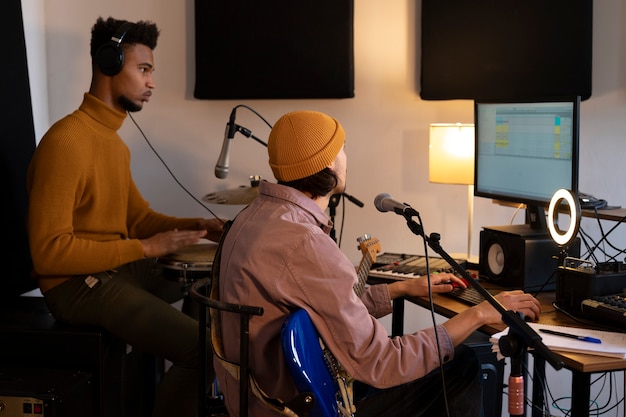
(248,133)
(353,200)
(520,336)
(332,206)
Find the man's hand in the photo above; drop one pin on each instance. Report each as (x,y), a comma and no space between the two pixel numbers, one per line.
(418,287)
(164,243)
(463,324)
(515,300)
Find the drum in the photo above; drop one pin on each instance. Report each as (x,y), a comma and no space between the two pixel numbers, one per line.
(198,257)
(190,263)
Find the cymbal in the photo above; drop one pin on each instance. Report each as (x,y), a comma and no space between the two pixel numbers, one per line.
(241,195)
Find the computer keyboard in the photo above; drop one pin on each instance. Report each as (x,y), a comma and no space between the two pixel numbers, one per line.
(469,295)
(609,309)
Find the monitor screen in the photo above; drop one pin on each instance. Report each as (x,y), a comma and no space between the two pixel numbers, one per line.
(526,150)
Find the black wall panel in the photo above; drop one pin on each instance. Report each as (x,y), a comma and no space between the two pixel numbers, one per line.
(274,49)
(505,48)
(17,143)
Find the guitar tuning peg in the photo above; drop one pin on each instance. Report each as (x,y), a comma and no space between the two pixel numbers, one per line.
(363,238)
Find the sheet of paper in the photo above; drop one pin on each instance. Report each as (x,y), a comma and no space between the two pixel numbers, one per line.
(613,343)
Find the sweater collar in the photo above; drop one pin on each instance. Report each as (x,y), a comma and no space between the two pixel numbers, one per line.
(101,112)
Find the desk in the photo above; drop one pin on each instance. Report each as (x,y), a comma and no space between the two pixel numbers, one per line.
(581,365)
(616,215)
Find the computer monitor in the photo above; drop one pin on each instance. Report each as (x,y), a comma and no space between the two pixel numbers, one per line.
(525,151)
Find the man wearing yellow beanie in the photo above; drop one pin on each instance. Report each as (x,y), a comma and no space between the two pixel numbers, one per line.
(278,255)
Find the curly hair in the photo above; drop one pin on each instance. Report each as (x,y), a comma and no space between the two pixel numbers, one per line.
(142,32)
(318,185)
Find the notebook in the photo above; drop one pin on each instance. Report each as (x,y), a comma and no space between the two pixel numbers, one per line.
(613,343)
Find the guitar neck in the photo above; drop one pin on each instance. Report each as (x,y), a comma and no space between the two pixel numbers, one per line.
(370,247)
(362,273)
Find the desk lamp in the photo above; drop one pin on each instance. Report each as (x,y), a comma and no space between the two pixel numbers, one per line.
(451,161)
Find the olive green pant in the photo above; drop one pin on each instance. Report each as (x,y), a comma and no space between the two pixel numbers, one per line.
(133,303)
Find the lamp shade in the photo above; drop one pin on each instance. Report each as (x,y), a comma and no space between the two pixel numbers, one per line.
(451,153)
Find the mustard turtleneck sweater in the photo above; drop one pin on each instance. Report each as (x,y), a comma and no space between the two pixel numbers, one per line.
(85,212)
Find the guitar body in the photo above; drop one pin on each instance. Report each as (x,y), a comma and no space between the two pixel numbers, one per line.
(305,359)
(307,362)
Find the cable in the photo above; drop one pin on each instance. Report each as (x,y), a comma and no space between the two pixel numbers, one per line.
(547,281)
(586,239)
(255,112)
(515,213)
(605,235)
(594,247)
(434,320)
(170,171)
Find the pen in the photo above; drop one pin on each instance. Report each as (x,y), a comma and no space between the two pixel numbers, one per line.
(572,336)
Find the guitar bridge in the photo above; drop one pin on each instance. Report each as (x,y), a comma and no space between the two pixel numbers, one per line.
(345,396)
(331,363)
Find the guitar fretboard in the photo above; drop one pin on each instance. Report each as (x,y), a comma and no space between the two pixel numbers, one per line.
(370,247)
(362,272)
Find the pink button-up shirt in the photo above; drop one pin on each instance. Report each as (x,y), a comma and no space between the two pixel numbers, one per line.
(278,255)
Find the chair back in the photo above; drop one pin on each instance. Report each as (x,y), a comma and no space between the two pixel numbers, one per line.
(241,370)
(206,291)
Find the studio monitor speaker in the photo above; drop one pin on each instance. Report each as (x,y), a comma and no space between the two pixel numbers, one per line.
(517,257)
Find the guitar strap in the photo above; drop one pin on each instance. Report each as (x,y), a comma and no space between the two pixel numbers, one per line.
(233,368)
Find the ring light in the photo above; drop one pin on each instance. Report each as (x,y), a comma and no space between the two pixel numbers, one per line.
(560,237)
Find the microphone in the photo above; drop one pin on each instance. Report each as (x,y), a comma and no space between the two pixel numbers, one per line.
(383,202)
(221,167)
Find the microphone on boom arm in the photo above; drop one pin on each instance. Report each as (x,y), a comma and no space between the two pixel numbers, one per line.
(520,335)
(221,167)
(383,202)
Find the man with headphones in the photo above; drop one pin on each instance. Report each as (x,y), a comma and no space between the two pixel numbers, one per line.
(94,239)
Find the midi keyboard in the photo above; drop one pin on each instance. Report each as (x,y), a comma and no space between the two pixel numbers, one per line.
(396,266)
(609,309)
(399,266)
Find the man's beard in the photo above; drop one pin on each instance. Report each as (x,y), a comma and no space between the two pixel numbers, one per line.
(128,105)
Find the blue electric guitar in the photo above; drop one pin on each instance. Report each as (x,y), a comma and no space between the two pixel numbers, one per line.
(313,367)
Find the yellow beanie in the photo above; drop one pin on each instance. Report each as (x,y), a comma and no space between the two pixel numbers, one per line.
(303,143)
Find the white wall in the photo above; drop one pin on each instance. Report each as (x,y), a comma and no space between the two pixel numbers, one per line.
(386,123)
(35,34)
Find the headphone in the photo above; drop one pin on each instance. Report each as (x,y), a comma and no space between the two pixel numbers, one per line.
(110,56)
